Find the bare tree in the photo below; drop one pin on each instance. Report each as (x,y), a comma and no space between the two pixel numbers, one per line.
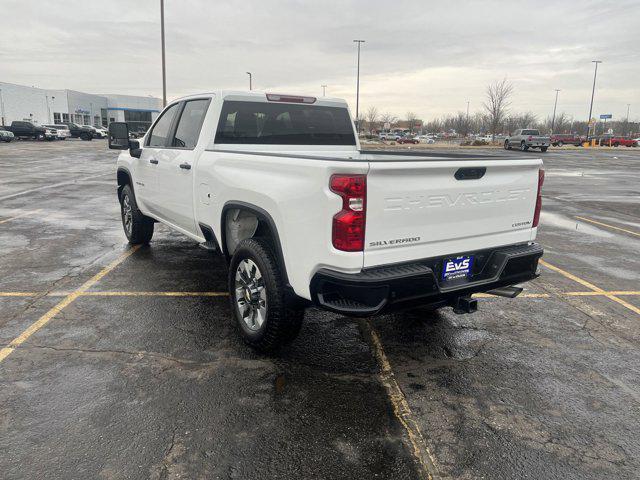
(411,120)
(388,118)
(372,118)
(497,104)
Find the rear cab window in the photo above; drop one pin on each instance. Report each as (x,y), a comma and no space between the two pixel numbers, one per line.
(266,123)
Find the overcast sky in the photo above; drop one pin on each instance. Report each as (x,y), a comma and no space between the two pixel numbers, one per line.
(427,57)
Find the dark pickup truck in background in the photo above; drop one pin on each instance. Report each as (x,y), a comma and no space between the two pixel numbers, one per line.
(24,129)
(79,131)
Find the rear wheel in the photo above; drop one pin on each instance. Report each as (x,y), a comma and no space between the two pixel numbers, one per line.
(560,143)
(616,144)
(506,145)
(137,227)
(543,149)
(523,146)
(257,293)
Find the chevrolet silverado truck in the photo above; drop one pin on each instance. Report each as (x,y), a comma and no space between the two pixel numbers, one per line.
(279,186)
(24,129)
(527,138)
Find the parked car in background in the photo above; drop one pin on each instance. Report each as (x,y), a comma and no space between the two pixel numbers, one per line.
(526,138)
(425,139)
(97,132)
(62,131)
(25,129)
(79,131)
(102,131)
(616,141)
(560,139)
(411,140)
(6,135)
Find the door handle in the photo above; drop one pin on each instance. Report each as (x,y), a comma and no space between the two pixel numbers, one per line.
(153,160)
(185,166)
(473,173)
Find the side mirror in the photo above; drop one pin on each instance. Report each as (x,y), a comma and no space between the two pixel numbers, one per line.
(118,136)
(134,147)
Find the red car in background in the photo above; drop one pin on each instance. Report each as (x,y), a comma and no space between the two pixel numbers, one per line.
(407,140)
(559,139)
(614,141)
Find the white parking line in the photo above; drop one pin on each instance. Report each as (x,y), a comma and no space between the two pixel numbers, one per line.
(44,187)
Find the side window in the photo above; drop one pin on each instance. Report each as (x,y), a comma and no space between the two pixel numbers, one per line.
(190,124)
(160,132)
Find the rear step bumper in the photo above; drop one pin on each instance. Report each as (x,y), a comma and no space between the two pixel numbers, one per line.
(379,289)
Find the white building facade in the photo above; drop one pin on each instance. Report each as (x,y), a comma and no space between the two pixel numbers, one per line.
(42,106)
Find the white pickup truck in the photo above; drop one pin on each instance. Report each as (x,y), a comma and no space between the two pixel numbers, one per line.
(278,184)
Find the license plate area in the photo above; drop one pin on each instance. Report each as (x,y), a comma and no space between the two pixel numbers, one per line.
(457,268)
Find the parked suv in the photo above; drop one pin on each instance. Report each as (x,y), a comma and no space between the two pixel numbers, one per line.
(79,131)
(560,139)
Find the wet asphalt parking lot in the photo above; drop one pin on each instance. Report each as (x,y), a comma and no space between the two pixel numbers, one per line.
(123,363)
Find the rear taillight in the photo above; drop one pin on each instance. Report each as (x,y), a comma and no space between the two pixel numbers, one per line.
(349,223)
(276,97)
(536,213)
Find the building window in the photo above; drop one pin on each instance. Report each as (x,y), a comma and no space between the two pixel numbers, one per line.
(87,119)
(103,114)
(137,121)
(96,120)
(65,117)
(56,117)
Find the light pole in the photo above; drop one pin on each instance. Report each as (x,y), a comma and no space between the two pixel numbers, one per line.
(553,119)
(46,100)
(1,107)
(164,68)
(324,90)
(466,127)
(359,42)
(593,91)
(626,124)
(250,81)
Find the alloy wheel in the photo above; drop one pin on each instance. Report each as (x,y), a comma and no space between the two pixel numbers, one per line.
(250,294)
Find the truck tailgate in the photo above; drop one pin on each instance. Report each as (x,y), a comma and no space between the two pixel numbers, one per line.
(428,208)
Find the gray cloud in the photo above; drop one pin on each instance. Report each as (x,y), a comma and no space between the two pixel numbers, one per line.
(428,57)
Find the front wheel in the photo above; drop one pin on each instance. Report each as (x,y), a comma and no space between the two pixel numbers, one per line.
(137,227)
(257,292)
(543,149)
(559,144)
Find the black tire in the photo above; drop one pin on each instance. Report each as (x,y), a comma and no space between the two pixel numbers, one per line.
(281,322)
(137,227)
(507,146)
(559,144)
(616,144)
(543,149)
(523,146)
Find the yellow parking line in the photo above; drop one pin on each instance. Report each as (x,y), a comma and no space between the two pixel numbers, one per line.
(18,294)
(401,408)
(65,302)
(637,234)
(594,294)
(522,295)
(24,214)
(590,286)
(154,294)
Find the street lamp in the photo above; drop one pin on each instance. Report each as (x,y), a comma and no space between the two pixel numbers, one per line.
(593,91)
(250,81)
(1,107)
(324,90)
(626,124)
(553,120)
(164,69)
(358,87)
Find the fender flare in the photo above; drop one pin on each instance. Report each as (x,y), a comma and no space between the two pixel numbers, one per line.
(262,215)
(128,173)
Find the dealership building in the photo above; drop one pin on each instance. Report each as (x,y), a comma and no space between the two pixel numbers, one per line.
(43,106)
